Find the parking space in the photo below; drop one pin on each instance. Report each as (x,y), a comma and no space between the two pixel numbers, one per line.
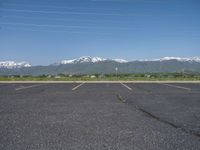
(192,86)
(177,106)
(99,116)
(163,88)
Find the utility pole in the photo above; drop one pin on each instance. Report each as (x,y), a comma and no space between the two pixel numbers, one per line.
(183,72)
(116,69)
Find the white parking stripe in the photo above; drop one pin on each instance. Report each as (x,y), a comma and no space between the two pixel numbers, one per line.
(27,87)
(126,86)
(78,86)
(176,86)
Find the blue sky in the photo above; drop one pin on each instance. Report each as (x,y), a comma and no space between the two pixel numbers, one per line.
(45,31)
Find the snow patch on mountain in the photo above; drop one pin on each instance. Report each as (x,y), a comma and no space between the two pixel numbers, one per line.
(13,64)
(88,59)
(181,59)
(83,59)
(120,60)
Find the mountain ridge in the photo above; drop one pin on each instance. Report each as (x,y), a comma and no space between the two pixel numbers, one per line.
(97,65)
(13,64)
(86,59)
(89,59)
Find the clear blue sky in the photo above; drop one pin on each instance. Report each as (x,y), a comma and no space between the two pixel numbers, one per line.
(46,31)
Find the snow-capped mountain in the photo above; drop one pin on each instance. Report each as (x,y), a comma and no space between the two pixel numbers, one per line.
(83,59)
(192,59)
(88,59)
(97,65)
(120,60)
(181,59)
(13,64)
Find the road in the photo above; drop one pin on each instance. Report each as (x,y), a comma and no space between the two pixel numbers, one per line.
(103,116)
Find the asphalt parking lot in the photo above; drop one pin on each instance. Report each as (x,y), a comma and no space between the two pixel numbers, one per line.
(103,116)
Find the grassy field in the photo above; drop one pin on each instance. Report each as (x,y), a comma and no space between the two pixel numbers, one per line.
(128,77)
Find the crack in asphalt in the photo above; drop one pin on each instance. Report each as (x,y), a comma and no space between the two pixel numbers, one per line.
(151,115)
(119,97)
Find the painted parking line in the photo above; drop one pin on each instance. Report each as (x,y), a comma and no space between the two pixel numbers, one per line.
(75,88)
(126,86)
(176,86)
(27,87)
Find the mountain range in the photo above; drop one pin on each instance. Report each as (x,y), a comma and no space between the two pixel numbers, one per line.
(98,65)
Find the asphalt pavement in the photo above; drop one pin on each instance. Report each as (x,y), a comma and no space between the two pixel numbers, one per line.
(103,116)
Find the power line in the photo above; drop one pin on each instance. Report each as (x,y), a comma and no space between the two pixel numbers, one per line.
(71,12)
(61,7)
(59,19)
(60,31)
(61,12)
(62,26)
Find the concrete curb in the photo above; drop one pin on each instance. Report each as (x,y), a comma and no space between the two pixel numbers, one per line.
(100,81)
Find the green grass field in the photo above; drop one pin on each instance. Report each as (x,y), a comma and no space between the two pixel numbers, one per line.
(122,77)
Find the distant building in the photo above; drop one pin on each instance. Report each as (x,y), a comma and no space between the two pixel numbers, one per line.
(102,76)
(49,76)
(92,76)
(57,77)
